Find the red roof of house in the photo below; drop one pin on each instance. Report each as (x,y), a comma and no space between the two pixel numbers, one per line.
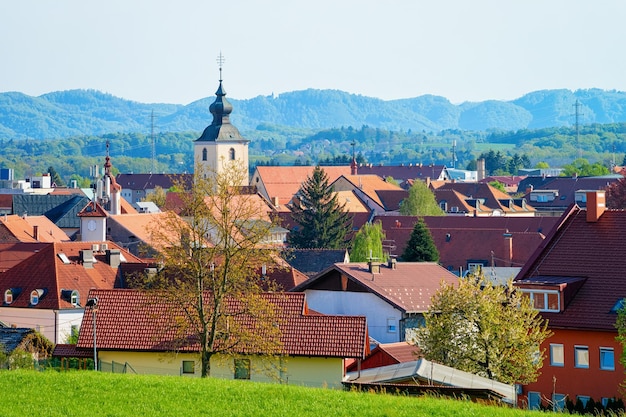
(591,253)
(12,254)
(57,267)
(387,354)
(409,287)
(404,172)
(142,321)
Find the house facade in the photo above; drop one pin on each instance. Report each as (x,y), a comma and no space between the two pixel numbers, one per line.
(393,296)
(135,331)
(576,280)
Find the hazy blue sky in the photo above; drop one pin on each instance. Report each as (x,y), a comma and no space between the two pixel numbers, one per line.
(165,51)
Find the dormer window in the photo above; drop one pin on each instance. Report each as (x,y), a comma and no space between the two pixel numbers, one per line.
(8,296)
(74,298)
(544,300)
(35,295)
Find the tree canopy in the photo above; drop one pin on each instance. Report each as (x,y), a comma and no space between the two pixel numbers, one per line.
(322,221)
(420,247)
(368,243)
(420,202)
(213,259)
(486,329)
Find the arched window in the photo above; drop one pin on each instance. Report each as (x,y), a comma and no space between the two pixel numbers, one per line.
(8,297)
(34,297)
(231,154)
(74,298)
(204,154)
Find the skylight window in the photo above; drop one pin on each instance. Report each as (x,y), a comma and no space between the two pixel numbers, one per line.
(619,304)
(63,257)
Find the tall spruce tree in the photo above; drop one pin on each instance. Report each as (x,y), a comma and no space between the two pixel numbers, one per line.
(420,247)
(322,221)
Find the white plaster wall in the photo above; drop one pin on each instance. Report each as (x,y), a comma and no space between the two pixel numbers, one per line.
(374,308)
(56,326)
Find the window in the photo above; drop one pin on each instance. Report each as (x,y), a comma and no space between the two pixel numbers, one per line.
(545,300)
(581,356)
(8,297)
(391,325)
(584,399)
(607,359)
(34,297)
(534,400)
(556,355)
(242,368)
(189,367)
(231,154)
(558,402)
(474,267)
(204,154)
(74,298)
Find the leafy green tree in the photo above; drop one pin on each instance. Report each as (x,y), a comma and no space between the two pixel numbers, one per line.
(420,202)
(158,196)
(490,330)
(420,247)
(205,277)
(368,243)
(583,168)
(498,186)
(620,325)
(542,165)
(323,222)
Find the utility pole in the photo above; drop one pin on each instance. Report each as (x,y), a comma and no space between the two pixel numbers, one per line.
(453,154)
(578,114)
(153,142)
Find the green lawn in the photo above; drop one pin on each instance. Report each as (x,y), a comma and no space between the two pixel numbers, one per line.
(88,393)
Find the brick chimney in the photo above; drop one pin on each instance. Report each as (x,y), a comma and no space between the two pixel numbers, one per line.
(36,232)
(596,204)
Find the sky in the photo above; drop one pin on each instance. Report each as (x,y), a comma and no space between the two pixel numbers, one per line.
(166,51)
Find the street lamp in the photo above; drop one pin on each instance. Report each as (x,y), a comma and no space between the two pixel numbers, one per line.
(93,304)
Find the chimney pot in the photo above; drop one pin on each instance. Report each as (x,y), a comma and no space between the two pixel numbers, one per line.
(596,204)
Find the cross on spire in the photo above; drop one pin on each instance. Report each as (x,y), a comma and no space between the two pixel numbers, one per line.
(220,61)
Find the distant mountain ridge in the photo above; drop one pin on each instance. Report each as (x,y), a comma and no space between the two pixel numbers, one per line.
(90,112)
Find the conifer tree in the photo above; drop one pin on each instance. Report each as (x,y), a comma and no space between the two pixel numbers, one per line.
(420,247)
(322,221)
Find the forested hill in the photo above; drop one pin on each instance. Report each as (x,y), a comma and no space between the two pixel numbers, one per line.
(90,112)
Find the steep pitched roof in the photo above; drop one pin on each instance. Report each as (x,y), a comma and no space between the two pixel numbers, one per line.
(141,321)
(369,185)
(482,197)
(31,229)
(283,182)
(12,254)
(313,261)
(62,210)
(409,286)
(56,268)
(591,253)
(565,189)
(405,172)
(151,181)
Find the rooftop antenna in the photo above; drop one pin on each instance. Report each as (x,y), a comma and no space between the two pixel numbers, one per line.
(220,61)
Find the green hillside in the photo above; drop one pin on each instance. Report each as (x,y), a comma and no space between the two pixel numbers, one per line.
(87,393)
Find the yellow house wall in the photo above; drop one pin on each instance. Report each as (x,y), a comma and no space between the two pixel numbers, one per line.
(306,371)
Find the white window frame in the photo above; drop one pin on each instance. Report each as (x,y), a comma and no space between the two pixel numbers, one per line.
(74,298)
(553,347)
(34,297)
(533,294)
(580,349)
(606,350)
(8,296)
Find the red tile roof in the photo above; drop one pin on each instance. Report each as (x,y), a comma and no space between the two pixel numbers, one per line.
(405,172)
(12,254)
(23,229)
(142,321)
(578,249)
(409,287)
(47,271)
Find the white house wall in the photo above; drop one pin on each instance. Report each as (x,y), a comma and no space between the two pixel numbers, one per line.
(306,371)
(378,312)
(55,325)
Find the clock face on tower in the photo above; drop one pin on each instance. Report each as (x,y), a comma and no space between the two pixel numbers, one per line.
(91,225)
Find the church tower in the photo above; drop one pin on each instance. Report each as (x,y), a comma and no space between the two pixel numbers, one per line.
(221,143)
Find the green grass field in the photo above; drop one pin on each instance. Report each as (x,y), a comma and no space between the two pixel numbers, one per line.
(88,394)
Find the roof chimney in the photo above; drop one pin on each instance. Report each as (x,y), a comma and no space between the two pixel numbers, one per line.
(508,246)
(373,267)
(596,204)
(114,257)
(36,232)
(392,263)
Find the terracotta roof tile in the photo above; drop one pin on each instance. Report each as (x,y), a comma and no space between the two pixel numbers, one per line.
(410,286)
(591,250)
(141,321)
(23,229)
(48,271)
